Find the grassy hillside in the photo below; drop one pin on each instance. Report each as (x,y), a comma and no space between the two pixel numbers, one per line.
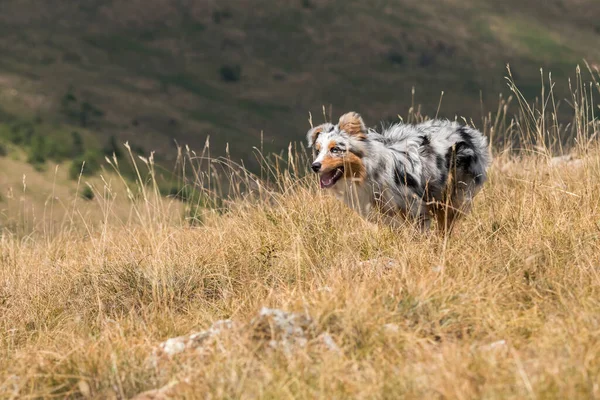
(506,307)
(155,71)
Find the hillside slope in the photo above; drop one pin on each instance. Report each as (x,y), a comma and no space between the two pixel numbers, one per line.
(505,308)
(155,71)
(281,291)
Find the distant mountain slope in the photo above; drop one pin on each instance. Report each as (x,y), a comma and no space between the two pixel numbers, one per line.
(155,71)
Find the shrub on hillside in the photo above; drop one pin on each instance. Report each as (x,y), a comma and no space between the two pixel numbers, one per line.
(426,59)
(137,149)
(38,151)
(231,73)
(395,57)
(77,145)
(83,112)
(307,4)
(87,193)
(21,132)
(220,15)
(112,147)
(58,149)
(88,112)
(86,165)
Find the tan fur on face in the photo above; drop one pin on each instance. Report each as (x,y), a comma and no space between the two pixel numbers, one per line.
(330,163)
(353,124)
(353,165)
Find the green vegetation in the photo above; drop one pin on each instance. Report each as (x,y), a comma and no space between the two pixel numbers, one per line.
(86,164)
(112,148)
(42,141)
(81,112)
(78,147)
(395,57)
(219,15)
(285,292)
(38,150)
(307,4)
(239,75)
(231,73)
(87,193)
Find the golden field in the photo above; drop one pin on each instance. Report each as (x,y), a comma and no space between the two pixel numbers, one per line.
(505,307)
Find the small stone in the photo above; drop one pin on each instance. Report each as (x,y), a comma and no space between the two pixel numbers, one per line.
(497,345)
(391,328)
(531,260)
(329,343)
(174,346)
(385,263)
(84,389)
(281,329)
(437,268)
(193,341)
(567,160)
(575,163)
(559,160)
(171,390)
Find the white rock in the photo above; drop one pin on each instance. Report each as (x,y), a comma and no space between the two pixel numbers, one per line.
(329,343)
(559,160)
(497,345)
(282,329)
(171,390)
(391,328)
(386,263)
(566,161)
(193,341)
(174,345)
(326,289)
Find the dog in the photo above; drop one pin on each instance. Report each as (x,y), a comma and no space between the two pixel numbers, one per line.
(424,172)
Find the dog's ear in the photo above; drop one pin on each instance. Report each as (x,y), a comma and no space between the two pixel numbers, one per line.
(314,133)
(353,124)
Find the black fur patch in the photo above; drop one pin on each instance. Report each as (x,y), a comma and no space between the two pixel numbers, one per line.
(439,162)
(463,158)
(441,166)
(425,148)
(401,177)
(450,158)
(465,153)
(466,137)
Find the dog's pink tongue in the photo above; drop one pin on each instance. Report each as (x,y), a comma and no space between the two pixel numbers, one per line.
(325,182)
(327,179)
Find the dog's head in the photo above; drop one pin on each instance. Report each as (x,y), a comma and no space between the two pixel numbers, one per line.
(339,149)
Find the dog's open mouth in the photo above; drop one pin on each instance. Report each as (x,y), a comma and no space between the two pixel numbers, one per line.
(329,178)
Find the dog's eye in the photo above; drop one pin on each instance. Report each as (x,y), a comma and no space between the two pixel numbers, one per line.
(336,150)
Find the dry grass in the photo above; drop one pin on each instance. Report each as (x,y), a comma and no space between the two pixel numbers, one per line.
(505,308)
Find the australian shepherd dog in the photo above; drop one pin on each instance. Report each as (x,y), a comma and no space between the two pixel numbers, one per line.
(430,171)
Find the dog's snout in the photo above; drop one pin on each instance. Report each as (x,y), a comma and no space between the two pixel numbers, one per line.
(316,166)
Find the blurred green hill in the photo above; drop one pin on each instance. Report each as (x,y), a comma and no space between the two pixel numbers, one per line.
(156,72)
